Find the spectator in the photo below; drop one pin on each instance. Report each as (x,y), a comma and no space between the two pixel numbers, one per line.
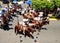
(3,11)
(0,6)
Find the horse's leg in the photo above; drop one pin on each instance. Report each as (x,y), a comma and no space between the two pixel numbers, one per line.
(27,32)
(11,17)
(40,26)
(47,22)
(16,30)
(31,30)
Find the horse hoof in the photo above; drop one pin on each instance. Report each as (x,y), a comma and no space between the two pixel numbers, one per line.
(20,36)
(35,40)
(36,37)
(38,30)
(37,33)
(20,40)
(16,34)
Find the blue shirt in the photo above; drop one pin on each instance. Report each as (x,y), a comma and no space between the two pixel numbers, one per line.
(3,11)
(29,2)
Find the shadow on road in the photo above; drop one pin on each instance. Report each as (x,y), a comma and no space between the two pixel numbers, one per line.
(44,28)
(30,35)
(6,27)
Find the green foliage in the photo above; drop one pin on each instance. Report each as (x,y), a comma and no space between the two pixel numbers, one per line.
(58,3)
(38,4)
(50,5)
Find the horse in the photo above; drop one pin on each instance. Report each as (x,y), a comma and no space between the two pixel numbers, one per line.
(24,29)
(30,29)
(42,23)
(5,22)
(26,16)
(4,19)
(9,14)
(18,28)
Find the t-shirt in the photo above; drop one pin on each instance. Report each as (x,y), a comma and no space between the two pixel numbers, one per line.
(40,14)
(37,18)
(25,20)
(3,11)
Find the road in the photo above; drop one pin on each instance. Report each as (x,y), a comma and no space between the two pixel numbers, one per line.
(49,35)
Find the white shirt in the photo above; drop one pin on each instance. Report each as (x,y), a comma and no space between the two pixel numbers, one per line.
(0,12)
(40,14)
(32,11)
(18,9)
(31,24)
(22,23)
(10,6)
(25,20)
(37,18)
(22,12)
(21,2)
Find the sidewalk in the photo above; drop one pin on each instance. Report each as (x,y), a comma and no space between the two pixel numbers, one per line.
(52,17)
(1,2)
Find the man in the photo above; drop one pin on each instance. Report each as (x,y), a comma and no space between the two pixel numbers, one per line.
(0,6)
(3,11)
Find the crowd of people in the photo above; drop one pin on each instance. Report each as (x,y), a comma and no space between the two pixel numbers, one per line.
(32,19)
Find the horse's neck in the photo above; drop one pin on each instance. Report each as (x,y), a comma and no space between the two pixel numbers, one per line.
(9,12)
(20,26)
(4,19)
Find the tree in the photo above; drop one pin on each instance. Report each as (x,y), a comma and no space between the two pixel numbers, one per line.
(58,3)
(38,4)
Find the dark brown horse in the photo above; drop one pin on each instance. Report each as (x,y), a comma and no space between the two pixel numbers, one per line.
(4,19)
(25,30)
(18,28)
(30,29)
(41,24)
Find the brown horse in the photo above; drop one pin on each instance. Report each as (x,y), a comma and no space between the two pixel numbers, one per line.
(18,28)
(26,30)
(9,14)
(26,16)
(41,24)
(4,19)
(30,29)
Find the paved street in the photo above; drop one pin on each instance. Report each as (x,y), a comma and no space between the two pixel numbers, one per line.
(49,35)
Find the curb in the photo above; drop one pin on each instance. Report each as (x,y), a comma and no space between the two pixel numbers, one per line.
(53,19)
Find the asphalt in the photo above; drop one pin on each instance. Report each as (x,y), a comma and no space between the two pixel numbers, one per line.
(50,33)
